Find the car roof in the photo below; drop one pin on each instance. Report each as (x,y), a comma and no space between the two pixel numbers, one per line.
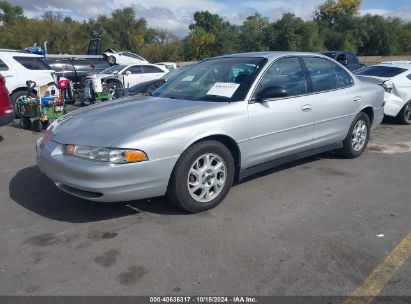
(18,53)
(272,54)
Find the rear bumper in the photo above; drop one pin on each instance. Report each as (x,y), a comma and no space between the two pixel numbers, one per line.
(393,104)
(104,182)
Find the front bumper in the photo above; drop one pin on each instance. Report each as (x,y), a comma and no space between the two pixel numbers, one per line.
(104,182)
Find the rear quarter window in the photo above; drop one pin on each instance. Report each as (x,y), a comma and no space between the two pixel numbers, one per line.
(381,71)
(32,63)
(344,79)
(3,66)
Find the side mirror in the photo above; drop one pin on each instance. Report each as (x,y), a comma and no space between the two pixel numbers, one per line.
(271,92)
(128,73)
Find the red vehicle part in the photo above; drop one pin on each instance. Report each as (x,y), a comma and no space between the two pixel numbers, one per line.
(6,110)
(63,84)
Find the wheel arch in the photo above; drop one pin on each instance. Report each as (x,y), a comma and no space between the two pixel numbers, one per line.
(370,113)
(22,89)
(231,145)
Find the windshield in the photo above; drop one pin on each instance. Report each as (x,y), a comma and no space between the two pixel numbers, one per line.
(380,71)
(114,69)
(175,72)
(218,79)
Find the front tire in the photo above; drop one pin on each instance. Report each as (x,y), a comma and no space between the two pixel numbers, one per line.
(404,116)
(202,177)
(357,138)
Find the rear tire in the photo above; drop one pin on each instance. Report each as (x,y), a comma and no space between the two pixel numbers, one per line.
(37,127)
(404,116)
(25,123)
(357,138)
(202,177)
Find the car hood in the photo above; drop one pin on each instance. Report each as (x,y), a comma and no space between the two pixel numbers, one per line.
(102,124)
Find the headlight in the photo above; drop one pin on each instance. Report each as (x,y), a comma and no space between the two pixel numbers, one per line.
(388,86)
(113,155)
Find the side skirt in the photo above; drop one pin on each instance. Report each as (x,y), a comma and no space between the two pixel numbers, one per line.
(281,161)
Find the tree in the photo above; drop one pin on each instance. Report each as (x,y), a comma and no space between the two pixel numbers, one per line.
(252,35)
(226,35)
(10,14)
(294,34)
(332,10)
(199,44)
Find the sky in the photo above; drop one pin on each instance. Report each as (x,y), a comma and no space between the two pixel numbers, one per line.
(176,15)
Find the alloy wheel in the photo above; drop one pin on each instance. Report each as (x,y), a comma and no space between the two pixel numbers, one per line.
(207,177)
(359,135)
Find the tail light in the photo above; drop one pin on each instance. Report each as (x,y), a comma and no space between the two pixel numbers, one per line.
(388,86)
(2,80)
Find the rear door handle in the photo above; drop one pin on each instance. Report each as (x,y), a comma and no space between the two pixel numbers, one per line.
(306,108)
(357,99)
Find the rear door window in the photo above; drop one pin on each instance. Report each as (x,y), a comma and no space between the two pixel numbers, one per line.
(135,69)
(322,74)
(32,63)
(3,66)
(152,69)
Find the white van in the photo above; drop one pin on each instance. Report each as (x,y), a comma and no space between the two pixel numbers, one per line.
(18,67)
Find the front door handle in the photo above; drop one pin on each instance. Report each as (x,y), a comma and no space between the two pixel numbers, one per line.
(306,108)
(357,99)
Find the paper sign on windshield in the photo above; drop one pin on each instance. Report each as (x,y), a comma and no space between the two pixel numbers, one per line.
(226,89)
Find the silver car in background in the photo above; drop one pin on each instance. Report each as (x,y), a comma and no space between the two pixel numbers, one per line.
(220,121)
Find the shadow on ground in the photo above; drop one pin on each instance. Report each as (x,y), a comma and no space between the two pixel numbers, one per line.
(34,191)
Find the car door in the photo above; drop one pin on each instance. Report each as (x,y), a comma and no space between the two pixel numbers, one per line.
(336,100)
(135,76)
(280,126)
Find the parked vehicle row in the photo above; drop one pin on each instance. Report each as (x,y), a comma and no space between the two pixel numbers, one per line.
(221,120)
(126,76)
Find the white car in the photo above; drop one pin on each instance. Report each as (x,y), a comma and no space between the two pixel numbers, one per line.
(395,78)
(18,67)
(169,65)
(126,76)
(123,58)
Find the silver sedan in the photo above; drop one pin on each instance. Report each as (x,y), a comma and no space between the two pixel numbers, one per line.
(221,120)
